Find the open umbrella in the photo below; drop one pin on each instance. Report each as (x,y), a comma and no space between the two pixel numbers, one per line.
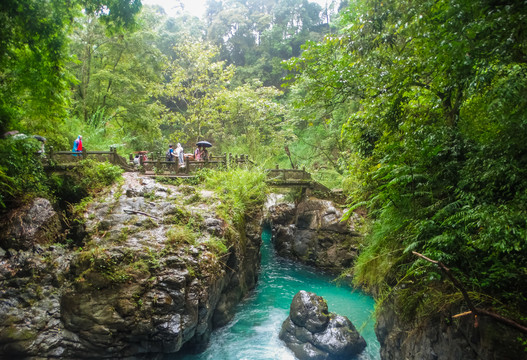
(40,138)
(204,144)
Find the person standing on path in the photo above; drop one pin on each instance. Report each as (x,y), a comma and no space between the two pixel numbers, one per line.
(170,153)
(77,145)
(180,154)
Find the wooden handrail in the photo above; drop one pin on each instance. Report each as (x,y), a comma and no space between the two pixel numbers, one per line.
(57,157)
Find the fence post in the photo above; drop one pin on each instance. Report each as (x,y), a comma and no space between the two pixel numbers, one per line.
(50,153)
(225,160)
(114,155)
(84,155)
(187,165)
(142,168)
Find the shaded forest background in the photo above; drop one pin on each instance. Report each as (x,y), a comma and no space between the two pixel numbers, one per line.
(417,109)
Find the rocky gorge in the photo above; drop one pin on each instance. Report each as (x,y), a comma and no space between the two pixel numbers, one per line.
(149,269)
(154,269)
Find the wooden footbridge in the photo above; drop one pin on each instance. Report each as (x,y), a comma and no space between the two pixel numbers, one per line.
(64,161)
(293,178)
(67,160)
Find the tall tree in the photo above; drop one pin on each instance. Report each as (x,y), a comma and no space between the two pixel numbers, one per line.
(257,35)
(33,52)
(195,79)
(118,76)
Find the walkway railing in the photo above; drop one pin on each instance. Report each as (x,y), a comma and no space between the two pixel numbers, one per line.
(297,178)
(286,177)
(68,159)
(64,160)
(189,166)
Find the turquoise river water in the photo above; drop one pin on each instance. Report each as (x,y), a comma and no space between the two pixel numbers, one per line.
(253,333)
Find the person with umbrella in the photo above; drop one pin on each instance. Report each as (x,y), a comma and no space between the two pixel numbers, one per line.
(203,153)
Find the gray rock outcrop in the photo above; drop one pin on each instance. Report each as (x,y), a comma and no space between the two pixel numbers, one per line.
(442,337)
(313,333)
(35,223)
(313,233)
(157,270)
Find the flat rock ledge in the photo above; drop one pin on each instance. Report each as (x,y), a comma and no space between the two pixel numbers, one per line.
(313,333)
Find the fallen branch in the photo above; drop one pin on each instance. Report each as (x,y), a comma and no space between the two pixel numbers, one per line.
(128,211)
(473,310)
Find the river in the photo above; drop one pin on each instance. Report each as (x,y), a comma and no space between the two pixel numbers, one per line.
(253,333)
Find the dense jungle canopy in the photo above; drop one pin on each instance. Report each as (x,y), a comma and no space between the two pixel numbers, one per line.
(415,108)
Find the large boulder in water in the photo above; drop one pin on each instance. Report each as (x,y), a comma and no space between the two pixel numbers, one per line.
(313,333)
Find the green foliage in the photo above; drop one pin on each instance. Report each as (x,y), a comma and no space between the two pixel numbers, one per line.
(88,178)
(250,121)
(33,42)
(21,173)
(94,176)
(178,235)
(117,76)
(256,37)
(217,246)
(241,191)
(438,141)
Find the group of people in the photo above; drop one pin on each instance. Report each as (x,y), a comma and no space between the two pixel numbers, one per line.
(171,154)
(200,153)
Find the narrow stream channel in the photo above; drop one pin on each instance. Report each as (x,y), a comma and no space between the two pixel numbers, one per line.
(253,333)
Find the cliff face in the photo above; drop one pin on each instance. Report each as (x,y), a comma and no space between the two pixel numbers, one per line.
(442,337)
(158,269)
(312,232)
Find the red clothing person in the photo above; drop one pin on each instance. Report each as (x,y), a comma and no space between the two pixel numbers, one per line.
(77,144)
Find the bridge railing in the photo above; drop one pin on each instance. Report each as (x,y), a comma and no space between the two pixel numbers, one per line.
(288,175)
(159,165)
(69,157)
(189,166)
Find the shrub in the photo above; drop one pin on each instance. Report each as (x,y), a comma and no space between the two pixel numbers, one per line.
(21,172)
(93,176)
(240,190)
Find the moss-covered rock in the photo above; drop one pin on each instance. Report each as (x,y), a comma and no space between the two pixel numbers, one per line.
(153,273)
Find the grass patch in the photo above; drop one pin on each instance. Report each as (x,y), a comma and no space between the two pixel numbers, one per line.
(240,191)
(179,235)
